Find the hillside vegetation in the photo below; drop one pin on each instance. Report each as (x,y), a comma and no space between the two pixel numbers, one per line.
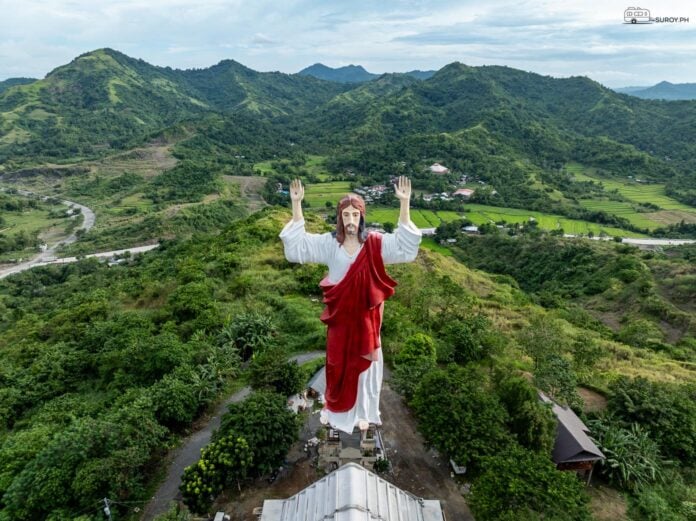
(145,346)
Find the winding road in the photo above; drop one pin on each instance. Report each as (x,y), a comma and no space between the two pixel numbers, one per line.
(190,451)
(48,256)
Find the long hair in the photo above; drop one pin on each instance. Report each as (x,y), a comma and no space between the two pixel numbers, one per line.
(357,202)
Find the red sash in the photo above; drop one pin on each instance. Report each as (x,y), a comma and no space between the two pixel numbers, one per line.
(353,315)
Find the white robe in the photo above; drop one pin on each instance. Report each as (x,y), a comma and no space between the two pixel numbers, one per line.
(397,247)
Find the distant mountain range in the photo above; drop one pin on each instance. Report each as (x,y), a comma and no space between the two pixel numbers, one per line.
(353,73)
(491,118)
(663,90)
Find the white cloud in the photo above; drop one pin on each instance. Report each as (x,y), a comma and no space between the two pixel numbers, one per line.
(569,38)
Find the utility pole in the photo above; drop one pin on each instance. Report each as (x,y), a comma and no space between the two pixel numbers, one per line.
(107,510)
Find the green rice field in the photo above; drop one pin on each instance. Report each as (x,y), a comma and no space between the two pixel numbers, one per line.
(671,210)
(480,214)
(318,194)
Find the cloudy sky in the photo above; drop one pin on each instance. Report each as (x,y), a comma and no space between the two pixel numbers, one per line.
(577,37)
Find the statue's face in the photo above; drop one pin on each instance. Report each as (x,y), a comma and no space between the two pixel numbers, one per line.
(351,220)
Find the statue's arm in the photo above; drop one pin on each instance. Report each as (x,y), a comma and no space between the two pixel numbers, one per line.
(299,245)
(402,245)
(402,190)
(303,247)
(296,196)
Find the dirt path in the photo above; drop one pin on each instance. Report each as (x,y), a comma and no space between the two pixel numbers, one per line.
(414,468)
(190,450)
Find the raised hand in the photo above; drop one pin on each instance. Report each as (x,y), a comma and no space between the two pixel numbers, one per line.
(402,189)
(296,190)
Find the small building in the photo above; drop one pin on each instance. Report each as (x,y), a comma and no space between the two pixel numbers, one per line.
(463,192)
(352,493)
(316,388)
(437,168)
(573,448)
(471,229)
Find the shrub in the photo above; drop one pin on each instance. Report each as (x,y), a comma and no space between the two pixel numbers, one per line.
(222,463)
(271,370)
(530,420)
(459,415)
(632,458)
(266,423)
(517,484)
(666,411)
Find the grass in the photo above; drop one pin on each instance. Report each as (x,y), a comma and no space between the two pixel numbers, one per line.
(30,221)
(480,214)
(314,165)
(432,245)
(317,194)
(671,211)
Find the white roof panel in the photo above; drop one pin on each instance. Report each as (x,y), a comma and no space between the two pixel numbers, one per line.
(352,493)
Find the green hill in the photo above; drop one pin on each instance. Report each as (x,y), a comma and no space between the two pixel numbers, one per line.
(11,82)
(347,74)
(104,100)
(104,365)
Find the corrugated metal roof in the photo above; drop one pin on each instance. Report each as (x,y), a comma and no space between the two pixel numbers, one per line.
(352,493)
(572,440)
(318,381)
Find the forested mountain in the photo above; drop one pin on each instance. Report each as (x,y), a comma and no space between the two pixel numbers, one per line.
(503,123)
(347,74)
(230,86)
(11,82)
(105,367)
(352,73)
(105,99)
(663,90)
(540,119)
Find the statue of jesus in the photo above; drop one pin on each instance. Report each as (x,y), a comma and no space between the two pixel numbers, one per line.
(354,293)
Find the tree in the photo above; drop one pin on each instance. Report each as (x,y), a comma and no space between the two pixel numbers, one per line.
(271,370)
(266,423)
(667,411)
(530,420)
(543,337)
(415,359)
(222,463)
(471,338)
(517,484)
(554,375)
(459,415)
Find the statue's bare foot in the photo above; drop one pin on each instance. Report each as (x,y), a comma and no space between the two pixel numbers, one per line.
(324,417)
(363,425)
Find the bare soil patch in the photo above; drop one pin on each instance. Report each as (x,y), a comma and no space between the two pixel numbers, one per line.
(606,504)
(250,188)
(147,161)
(592,400)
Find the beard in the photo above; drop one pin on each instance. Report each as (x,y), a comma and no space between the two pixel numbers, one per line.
(351,229)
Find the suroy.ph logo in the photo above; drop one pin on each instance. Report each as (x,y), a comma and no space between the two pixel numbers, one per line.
(640,15)
(637,15)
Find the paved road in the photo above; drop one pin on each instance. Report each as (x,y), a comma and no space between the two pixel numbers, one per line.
(190,451)
(49,253)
